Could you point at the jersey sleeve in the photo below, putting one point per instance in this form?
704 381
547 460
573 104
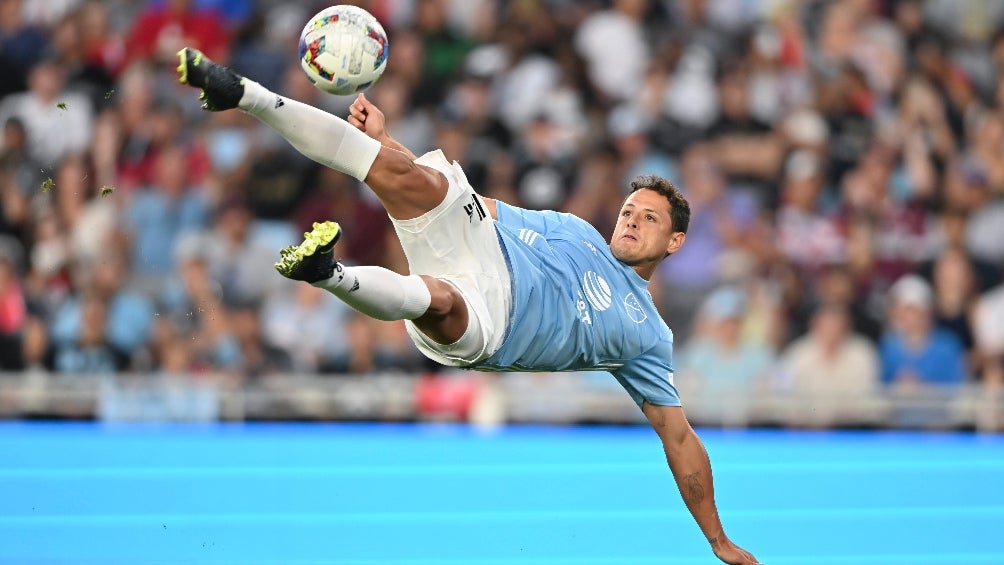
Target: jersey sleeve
649 378
544 222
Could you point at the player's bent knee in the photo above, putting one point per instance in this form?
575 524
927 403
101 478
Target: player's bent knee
395 172
446 299
446 319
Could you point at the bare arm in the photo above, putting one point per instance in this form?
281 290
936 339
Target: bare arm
370 120
688 460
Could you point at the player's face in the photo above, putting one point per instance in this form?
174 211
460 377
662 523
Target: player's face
644 232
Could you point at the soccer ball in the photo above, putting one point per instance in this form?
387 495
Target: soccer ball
343 49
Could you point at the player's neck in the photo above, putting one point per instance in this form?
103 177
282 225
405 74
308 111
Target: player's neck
645 270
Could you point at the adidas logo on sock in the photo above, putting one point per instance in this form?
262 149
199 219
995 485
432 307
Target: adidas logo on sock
278 102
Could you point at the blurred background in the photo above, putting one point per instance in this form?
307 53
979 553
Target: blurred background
844 161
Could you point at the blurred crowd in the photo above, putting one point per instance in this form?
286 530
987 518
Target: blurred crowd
844 161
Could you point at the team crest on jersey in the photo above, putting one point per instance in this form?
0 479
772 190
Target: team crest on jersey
634 309
597 291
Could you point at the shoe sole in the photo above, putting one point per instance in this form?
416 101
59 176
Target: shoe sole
323 235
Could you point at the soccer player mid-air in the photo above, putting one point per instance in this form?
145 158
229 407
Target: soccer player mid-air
496 287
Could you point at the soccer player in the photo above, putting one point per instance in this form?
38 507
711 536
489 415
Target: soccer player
495 287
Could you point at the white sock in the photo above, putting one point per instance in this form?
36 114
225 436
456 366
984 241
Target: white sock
379 293
325 138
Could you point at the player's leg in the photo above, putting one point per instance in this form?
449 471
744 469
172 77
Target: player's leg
436 307
406 190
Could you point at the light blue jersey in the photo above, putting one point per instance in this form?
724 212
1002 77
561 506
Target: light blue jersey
576 307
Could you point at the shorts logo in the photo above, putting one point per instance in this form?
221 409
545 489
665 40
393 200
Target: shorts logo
634 309
474 208
528 236
597 291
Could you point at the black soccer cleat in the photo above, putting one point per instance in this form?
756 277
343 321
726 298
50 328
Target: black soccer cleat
314 259
222 88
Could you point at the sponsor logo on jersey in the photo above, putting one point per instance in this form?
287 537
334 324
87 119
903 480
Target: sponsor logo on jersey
597 291
580 305
634 309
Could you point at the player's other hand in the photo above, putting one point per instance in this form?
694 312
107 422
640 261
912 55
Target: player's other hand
732 553
367 117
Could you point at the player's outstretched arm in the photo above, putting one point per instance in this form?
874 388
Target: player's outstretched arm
370 120
691 467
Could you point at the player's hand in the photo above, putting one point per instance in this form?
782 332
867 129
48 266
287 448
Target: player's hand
367 118
732 553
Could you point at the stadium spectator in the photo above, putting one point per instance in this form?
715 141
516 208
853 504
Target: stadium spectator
807 234
750 151
259 359
719 367
192 306
129 313
915 353
89 351
869 135
22 45
13 308
830 369
721 220
989 334
615 72
316 333
58 122
164 27
82 75
237 260
954 297
158 214
20 178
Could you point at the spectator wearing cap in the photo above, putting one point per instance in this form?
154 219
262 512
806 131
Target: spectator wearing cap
720 366
914 352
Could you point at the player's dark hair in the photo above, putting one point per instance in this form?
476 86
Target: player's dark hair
679 208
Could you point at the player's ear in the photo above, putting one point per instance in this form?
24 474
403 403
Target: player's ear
676 240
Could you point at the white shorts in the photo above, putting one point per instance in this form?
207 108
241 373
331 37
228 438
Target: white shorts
456 242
